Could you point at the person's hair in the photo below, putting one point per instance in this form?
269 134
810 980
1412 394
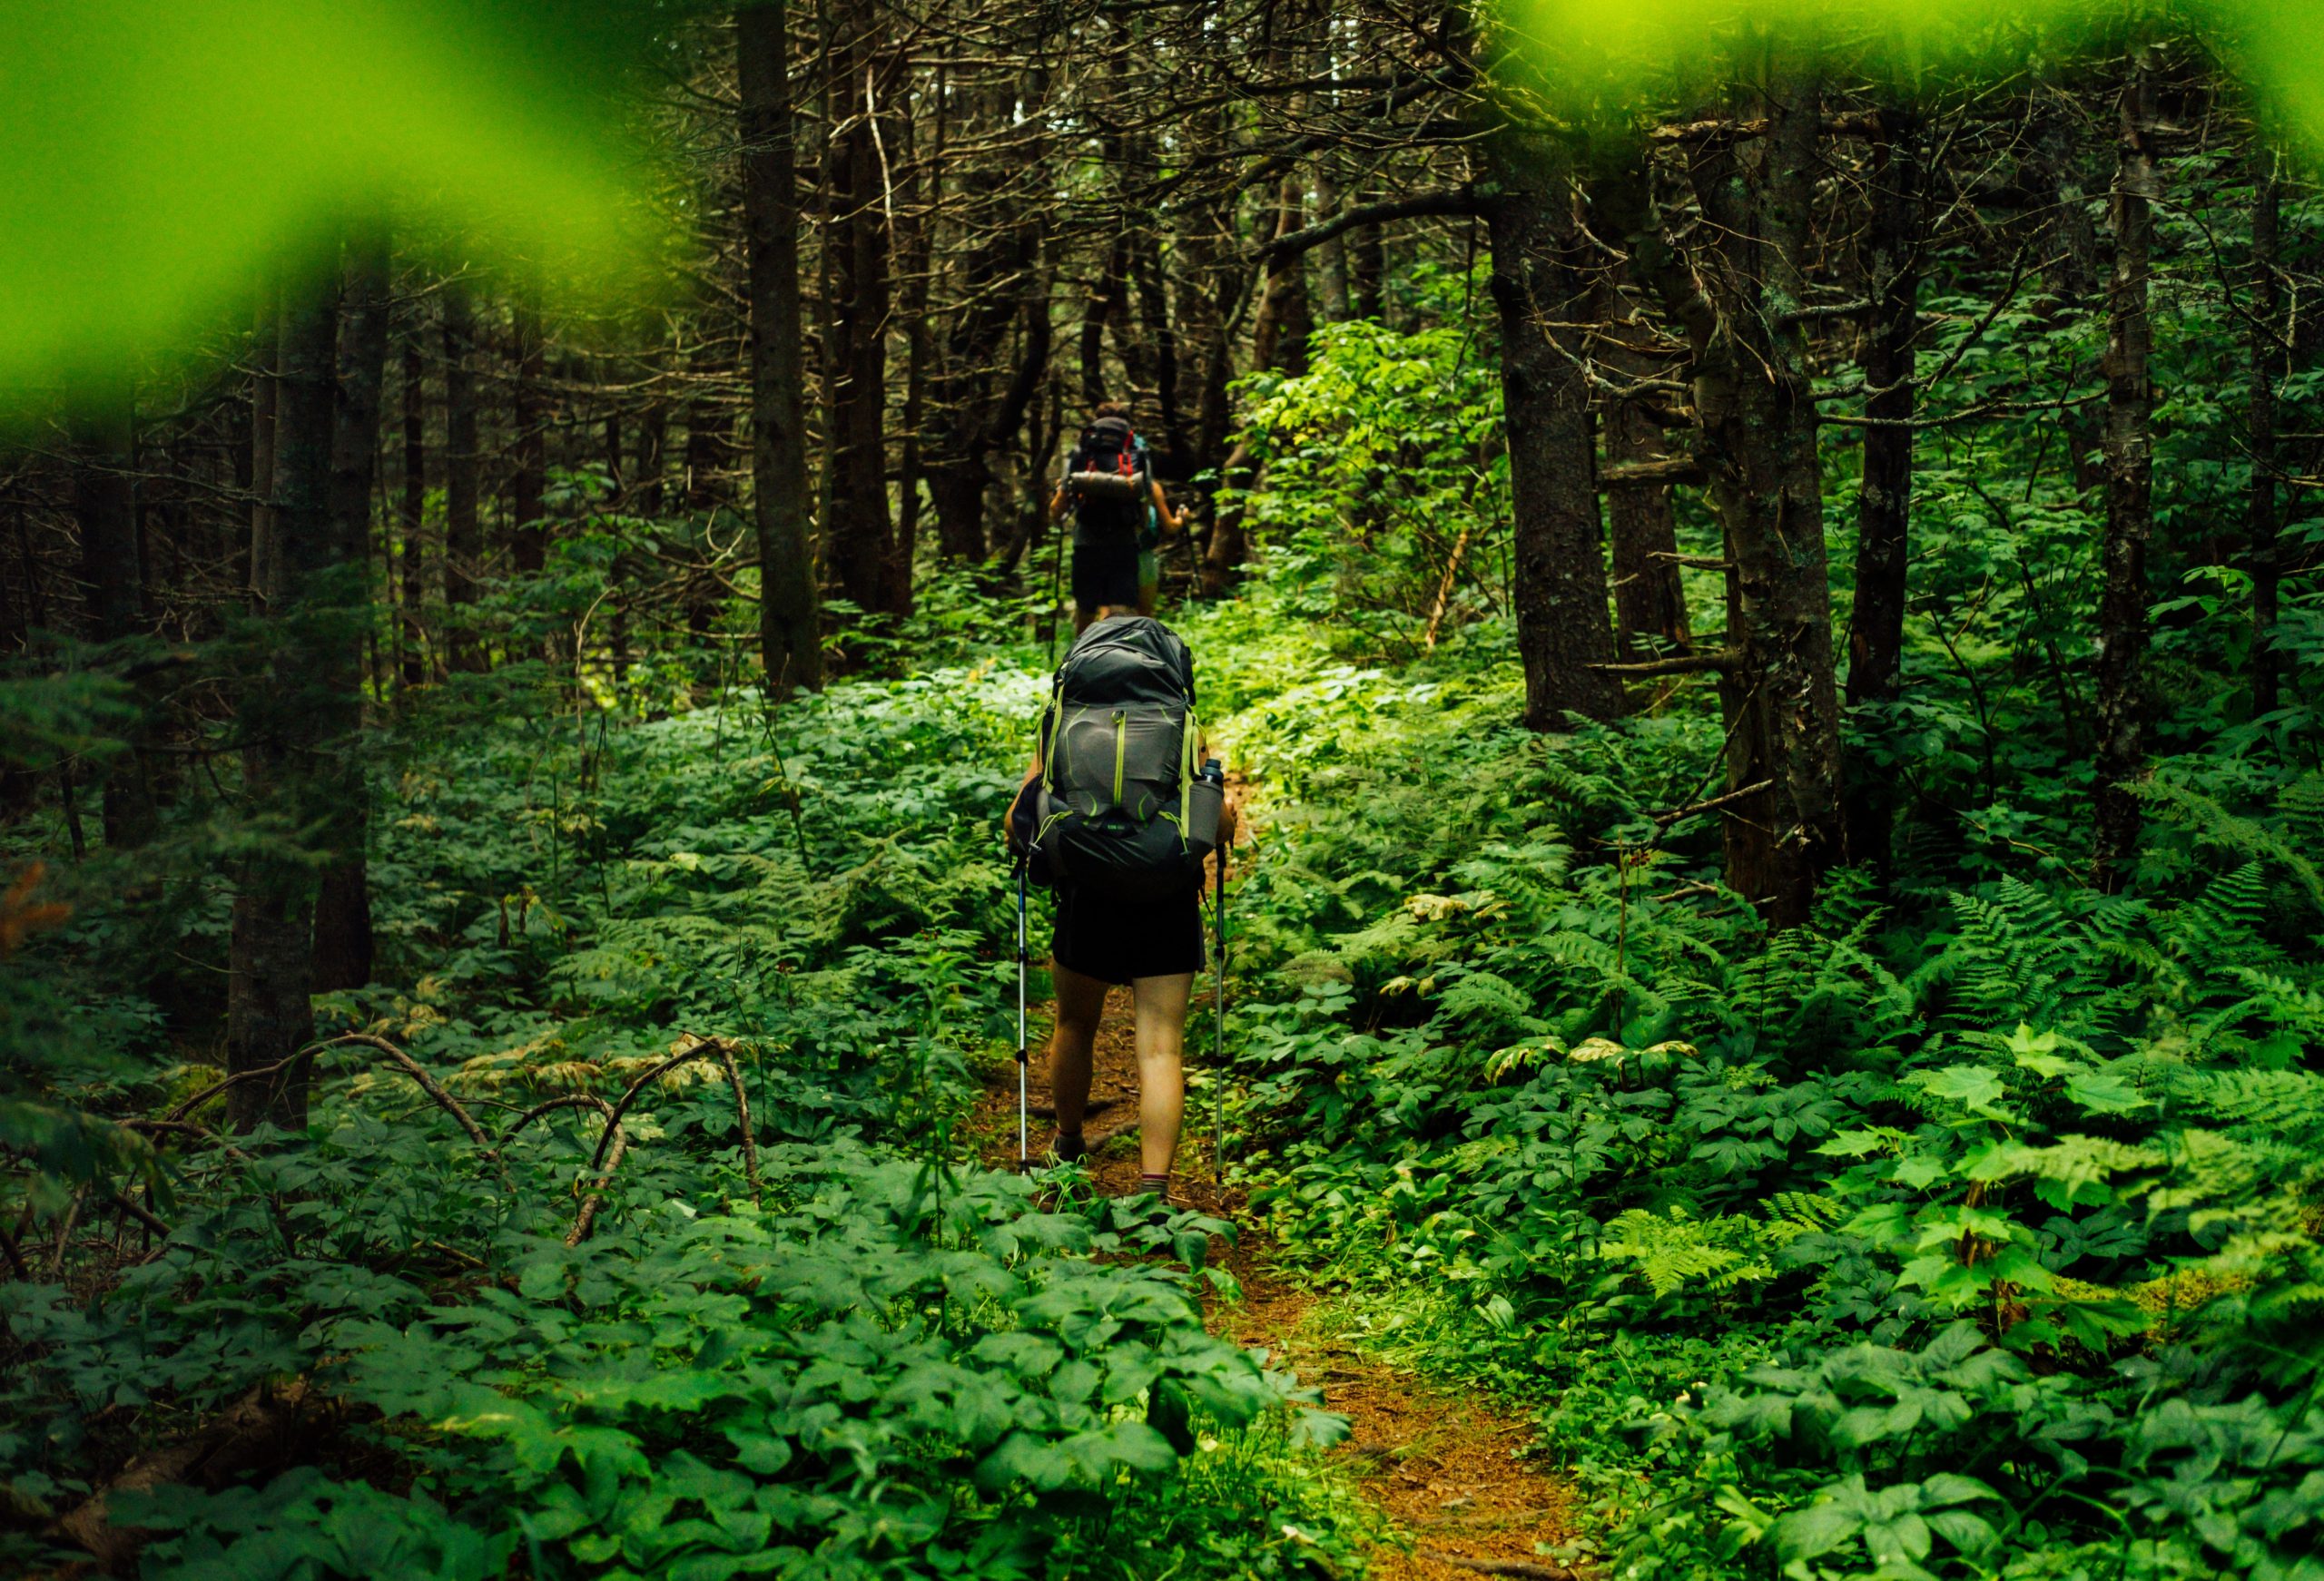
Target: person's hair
1110 409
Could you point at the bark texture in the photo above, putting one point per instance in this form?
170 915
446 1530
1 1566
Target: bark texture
1649 597
463 528
343 940
1884 498
104 509
1564 637
412 514
2270 365
858 534
790 609
1757 443
287 720
2128 451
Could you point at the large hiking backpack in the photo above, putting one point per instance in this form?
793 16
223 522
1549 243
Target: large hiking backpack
1115 812
1112 464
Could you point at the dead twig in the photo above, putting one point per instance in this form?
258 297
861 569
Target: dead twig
1525 1569
1745 795
618 1139
743 1112
402 1061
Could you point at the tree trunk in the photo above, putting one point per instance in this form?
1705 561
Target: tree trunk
463 529
1885 495
265 393
1331 256
1105 292
2128 447
1650 598
921 183
2072 246
1156 331
999 283
288 719
710 447
104 509
1563 634
528 481
1367 271
1757 442
1278 331
2271 364
858 532
653 445
343 943
790 610
414 512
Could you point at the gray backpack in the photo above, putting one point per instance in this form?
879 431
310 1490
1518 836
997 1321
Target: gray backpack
1121 810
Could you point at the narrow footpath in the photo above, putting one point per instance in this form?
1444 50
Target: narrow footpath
1442 1466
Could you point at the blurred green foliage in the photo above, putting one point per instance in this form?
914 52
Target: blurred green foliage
165 157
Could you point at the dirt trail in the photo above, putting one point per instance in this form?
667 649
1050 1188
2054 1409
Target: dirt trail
1441 1465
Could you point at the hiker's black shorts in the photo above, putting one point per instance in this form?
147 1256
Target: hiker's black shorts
1118 943
1106 573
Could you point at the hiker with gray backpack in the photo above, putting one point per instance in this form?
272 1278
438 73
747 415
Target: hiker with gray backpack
1119 814
1119 514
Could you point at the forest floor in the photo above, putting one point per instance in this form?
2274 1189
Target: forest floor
1441 1468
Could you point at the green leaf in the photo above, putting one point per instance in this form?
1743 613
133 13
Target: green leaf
1802 1534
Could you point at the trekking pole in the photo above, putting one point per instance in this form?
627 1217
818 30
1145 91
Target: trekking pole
1218 1034
1024 1152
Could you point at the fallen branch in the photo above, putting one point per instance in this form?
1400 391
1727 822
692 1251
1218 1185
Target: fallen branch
1645 474
404 1062
1720 659
65 1230
1854 123
743 1110
143 1217
1444 586
563 1101
1525 1569
188 1128
614 1145
1745 795
411 1067
618 1139
231 1442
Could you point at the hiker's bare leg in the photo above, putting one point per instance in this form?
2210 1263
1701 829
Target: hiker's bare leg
1080 1003
1161 1086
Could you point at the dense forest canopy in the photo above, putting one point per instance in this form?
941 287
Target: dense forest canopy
1757 569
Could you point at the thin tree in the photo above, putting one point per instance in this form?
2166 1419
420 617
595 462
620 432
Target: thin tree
2270 365
463 528
343 940
412 557
790 610
1564 637
289 717
1892 248
104 511
2128 447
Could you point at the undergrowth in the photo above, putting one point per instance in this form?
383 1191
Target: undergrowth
833 1346
1974 1238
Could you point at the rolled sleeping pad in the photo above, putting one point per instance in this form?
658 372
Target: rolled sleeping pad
1105 484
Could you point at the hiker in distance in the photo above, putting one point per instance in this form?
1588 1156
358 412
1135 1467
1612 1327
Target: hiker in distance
1115 815
1117 500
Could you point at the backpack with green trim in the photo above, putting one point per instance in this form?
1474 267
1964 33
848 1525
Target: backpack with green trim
1114 813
